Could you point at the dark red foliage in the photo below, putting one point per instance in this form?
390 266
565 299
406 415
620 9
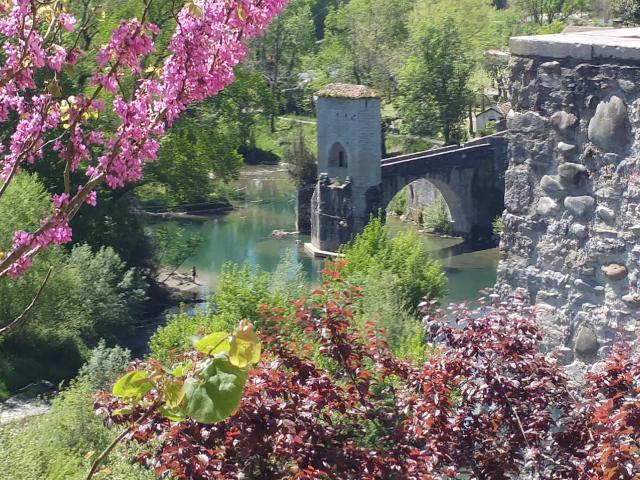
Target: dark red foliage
330 401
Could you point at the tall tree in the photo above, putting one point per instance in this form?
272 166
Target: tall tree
627 10
362 43
548 11
434 82
202 148
279 53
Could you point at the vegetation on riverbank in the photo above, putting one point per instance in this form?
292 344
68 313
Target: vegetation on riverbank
328 374
242 293
360 376
93 294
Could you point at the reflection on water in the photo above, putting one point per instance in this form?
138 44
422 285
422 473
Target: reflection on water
244 235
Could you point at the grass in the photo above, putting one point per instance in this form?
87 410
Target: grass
275 142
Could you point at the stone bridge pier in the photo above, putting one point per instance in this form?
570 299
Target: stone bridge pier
572 223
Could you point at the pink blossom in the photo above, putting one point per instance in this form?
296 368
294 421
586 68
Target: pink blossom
19 266
206 45
57 57
60 200
21 238
67 21
92 199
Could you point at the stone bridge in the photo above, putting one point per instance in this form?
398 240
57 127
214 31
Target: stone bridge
354 183
470 178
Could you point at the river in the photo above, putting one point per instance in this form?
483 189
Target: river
244 235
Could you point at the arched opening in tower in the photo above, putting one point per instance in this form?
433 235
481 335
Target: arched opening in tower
338 156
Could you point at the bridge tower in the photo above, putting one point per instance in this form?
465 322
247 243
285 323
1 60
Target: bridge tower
349 154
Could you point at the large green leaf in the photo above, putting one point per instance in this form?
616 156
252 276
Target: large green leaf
216 393
133 385
175 414
245 346
213 343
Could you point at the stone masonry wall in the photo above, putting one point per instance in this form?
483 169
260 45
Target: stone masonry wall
331 214
572 219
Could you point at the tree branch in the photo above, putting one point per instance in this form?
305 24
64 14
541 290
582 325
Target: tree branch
25 314
98 461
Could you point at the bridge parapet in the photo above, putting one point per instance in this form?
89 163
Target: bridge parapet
487 140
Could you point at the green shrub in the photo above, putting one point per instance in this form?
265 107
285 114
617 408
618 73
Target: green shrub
4 391
497 225
412 270
104 365
398 203
91 295
387 307
176 335
241 291
436 217
60 445
239 295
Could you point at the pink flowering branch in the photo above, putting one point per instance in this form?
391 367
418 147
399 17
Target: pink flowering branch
209 40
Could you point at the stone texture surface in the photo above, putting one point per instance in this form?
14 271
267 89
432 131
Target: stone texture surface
609 128
580 206
614 272
571 237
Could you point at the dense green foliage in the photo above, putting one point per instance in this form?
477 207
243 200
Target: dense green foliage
61 444
548 11
627 10
436 217
91 295
203 149
434 83
239 294
402 260
301 162
279 53
398 203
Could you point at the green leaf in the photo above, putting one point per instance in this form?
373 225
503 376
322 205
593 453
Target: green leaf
245 346
214 343
175 414
123 411
241 13
133 385
216 394
195 10
182 369
174 393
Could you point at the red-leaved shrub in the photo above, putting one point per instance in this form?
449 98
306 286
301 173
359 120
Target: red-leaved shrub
330 401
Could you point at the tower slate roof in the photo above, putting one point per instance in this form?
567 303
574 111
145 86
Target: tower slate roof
347 90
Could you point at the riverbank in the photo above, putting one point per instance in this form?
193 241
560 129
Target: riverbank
180 287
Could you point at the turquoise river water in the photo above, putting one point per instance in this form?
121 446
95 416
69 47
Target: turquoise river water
244 235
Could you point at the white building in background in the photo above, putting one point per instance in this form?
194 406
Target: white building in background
488 117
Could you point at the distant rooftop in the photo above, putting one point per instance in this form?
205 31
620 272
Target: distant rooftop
582 44
347 90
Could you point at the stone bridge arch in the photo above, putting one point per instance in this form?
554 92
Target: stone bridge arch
460 218
469 177
355 183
